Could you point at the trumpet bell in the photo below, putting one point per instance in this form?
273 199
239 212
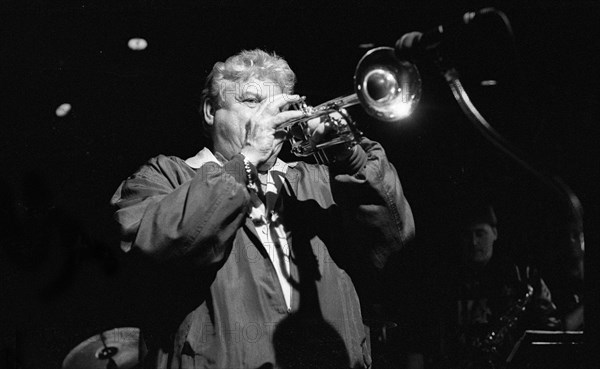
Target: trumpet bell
387 88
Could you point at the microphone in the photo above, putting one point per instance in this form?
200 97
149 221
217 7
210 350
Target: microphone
419 43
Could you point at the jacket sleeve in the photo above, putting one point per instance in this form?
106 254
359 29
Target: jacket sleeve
373 203
166 215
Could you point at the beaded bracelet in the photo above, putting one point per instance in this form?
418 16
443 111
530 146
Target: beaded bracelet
251 182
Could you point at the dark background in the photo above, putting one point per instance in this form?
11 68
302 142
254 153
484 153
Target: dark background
63 277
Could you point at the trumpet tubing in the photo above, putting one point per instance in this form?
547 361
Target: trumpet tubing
388 90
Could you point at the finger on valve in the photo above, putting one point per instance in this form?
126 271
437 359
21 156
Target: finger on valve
321 127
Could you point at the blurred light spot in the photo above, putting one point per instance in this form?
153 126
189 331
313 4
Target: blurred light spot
137 44
63 110
489 82
368 45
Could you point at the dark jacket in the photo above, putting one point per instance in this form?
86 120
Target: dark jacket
338 226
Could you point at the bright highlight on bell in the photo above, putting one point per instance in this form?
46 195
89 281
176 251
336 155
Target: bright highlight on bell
63 110
401 110
137 44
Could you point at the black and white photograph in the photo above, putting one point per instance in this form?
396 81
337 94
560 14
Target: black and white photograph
299 184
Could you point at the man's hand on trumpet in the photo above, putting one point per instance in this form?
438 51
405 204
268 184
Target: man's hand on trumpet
323 128
262 140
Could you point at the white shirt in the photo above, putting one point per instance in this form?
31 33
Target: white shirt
272 234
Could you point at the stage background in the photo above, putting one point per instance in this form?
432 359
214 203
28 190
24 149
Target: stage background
63 276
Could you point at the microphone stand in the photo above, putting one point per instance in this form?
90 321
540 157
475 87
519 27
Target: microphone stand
558 187
429 50
451 76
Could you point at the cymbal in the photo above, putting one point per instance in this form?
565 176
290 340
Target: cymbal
119 348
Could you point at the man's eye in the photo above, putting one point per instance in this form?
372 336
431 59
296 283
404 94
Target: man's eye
251 100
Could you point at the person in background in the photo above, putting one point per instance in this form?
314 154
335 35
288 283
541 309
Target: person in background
491 299
476 306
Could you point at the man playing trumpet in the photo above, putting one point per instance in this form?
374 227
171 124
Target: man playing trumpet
271 253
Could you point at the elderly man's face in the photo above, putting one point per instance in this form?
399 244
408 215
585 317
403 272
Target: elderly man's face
240 102
478 243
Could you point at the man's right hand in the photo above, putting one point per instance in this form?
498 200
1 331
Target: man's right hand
263 139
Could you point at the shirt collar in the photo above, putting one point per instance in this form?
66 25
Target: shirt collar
206 156
202 157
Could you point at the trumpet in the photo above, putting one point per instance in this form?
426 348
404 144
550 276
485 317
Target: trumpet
388 89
